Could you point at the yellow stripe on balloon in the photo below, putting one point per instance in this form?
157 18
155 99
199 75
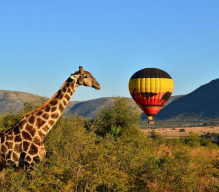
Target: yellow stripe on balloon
151 85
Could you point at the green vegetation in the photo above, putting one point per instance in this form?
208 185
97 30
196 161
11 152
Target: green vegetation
181 121
112 154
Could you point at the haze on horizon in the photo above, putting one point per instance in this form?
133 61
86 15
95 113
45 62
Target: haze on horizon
43 42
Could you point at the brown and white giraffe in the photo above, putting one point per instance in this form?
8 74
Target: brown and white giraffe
22 145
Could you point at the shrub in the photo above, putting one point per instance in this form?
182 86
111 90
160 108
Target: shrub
182 130
78 159
120 116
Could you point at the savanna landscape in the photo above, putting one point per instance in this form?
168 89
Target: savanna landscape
111 153
145 116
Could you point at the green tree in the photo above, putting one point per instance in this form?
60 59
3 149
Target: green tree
119 117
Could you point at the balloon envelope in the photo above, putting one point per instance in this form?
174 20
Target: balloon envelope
151 88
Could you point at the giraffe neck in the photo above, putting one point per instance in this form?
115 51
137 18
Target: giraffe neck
46 116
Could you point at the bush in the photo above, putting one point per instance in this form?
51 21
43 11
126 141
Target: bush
182 130
78 159
119 117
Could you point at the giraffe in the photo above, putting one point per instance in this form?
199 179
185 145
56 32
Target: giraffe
22 145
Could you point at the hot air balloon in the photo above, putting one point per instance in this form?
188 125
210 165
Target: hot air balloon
151 88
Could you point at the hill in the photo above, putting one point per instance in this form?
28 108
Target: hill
201 102
14 100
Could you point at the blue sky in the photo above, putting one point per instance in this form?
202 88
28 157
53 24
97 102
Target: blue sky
43 42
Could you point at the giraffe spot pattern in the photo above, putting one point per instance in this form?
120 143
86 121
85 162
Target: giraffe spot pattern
40 123
64 102
3 149
18 138
55 115
41 134
22 123
58 94
61 108
18 147
69 90
51 122
31 120
9 132
9 137
26 136
72 85
61 96
39 113
26 145
33 149
67 97
47 109
28 158
54 102
30 129
15 157
9 145
8 154
18 133
32 165
2 139
37 141
53 109
46 128
16 130
10 162
27 115
45 116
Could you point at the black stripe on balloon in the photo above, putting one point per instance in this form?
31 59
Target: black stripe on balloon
151 73
150 105
150 114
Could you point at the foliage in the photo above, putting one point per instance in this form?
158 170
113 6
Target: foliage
118 117
78 159
182 130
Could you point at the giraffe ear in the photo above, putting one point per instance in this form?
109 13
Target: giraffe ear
81 69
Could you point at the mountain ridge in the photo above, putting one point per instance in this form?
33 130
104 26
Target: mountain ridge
14 100
203 101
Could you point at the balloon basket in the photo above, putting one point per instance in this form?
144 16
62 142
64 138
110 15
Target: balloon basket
151 122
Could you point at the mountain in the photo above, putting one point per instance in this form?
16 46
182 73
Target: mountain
204 101
89 109
173 98
14 100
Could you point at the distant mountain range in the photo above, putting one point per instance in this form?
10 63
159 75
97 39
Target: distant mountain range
204 101
14 100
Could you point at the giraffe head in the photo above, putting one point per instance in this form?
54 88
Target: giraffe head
85 78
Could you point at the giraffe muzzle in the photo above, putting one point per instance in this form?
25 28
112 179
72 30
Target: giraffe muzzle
96 86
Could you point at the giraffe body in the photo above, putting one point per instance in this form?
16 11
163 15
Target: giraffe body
22 145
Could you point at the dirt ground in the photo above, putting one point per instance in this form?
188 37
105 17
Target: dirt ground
170 133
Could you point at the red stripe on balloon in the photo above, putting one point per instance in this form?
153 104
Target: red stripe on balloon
150 101
151 110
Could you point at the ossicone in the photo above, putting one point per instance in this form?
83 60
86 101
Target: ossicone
81 69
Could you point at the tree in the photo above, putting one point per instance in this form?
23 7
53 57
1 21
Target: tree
119 117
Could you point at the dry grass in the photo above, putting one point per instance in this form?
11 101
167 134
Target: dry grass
169 133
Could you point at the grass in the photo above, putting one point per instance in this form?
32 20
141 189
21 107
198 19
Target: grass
171 133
